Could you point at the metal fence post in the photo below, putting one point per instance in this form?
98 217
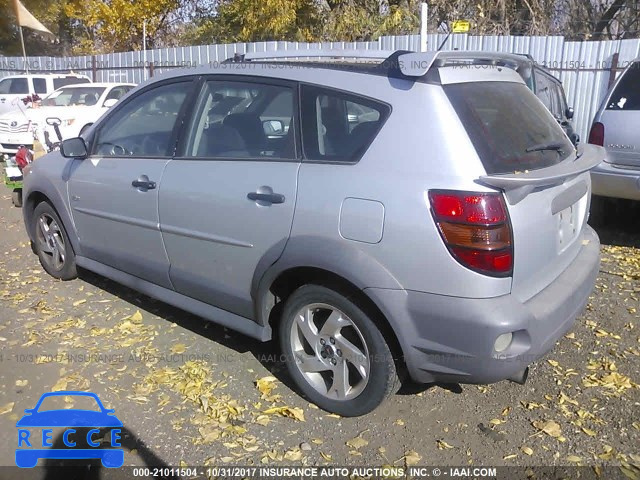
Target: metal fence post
612 69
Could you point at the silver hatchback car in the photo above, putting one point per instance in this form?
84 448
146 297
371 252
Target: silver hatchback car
418 216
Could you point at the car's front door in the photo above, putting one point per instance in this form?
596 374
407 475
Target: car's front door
114 192
227 201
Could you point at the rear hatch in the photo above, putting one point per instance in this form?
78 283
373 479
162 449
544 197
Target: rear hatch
547 186
621 119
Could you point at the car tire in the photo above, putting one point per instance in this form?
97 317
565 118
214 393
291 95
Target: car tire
342 362
600 209
52 243
16 198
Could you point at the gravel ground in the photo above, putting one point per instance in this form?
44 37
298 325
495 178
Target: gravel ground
192 393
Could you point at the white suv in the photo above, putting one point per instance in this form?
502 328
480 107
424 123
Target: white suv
15 88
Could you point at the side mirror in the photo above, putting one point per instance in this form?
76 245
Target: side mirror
273 127
569 113
110 102
74 148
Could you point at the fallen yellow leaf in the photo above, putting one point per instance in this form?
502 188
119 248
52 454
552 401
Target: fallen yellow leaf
7 408
527 450
412 458
357 443
442 445
265 385
291 412
550 427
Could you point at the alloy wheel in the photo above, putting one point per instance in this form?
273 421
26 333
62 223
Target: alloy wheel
330 351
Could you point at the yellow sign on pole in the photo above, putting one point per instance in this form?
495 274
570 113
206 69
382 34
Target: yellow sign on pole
460 26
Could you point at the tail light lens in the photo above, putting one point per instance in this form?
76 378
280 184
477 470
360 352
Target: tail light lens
596 135
475 228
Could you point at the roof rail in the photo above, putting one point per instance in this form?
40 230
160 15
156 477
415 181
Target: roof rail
312 53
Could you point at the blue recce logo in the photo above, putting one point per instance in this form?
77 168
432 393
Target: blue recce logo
32 447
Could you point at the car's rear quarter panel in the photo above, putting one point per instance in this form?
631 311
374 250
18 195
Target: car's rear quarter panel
422 146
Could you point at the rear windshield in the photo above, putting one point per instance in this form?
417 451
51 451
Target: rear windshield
17 85
503 121
626 96
70 80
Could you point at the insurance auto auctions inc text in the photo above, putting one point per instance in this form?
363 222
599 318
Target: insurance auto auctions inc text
350 472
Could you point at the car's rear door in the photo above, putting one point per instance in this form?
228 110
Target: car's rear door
515 135
227 200
621 119
114 192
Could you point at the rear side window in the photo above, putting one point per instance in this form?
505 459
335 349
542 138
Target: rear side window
338 126
241 120
549 92
626 96
14 85
39 85
63 81
509 128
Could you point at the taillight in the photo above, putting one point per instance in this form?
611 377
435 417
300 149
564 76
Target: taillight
596 135
475 227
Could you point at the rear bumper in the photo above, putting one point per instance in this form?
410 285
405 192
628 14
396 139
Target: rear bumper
608 180
451 339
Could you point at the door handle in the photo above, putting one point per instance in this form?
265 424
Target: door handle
266 197
143 183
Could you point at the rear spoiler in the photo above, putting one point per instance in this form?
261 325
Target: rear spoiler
410 64
518 185
418 64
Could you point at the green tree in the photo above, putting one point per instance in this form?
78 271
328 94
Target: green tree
364 20
257 20
49 13
103 26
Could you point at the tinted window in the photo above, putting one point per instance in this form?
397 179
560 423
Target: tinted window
144 125
14 85
63 81
235 119
503 120
546 92
39 85
626 96
117 92
337 126
66 97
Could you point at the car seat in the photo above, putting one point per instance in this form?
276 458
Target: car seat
221 141
249 126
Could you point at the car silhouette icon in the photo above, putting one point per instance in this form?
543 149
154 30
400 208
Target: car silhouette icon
70 419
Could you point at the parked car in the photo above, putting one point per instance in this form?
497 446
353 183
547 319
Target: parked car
616 126
540 80
15 88
76 106
438 229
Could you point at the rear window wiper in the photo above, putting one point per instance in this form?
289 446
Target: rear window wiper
557 146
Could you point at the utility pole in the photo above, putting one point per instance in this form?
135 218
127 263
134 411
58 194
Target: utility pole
424 16
144 49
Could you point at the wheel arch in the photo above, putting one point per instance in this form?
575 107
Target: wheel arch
37 196
329 263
